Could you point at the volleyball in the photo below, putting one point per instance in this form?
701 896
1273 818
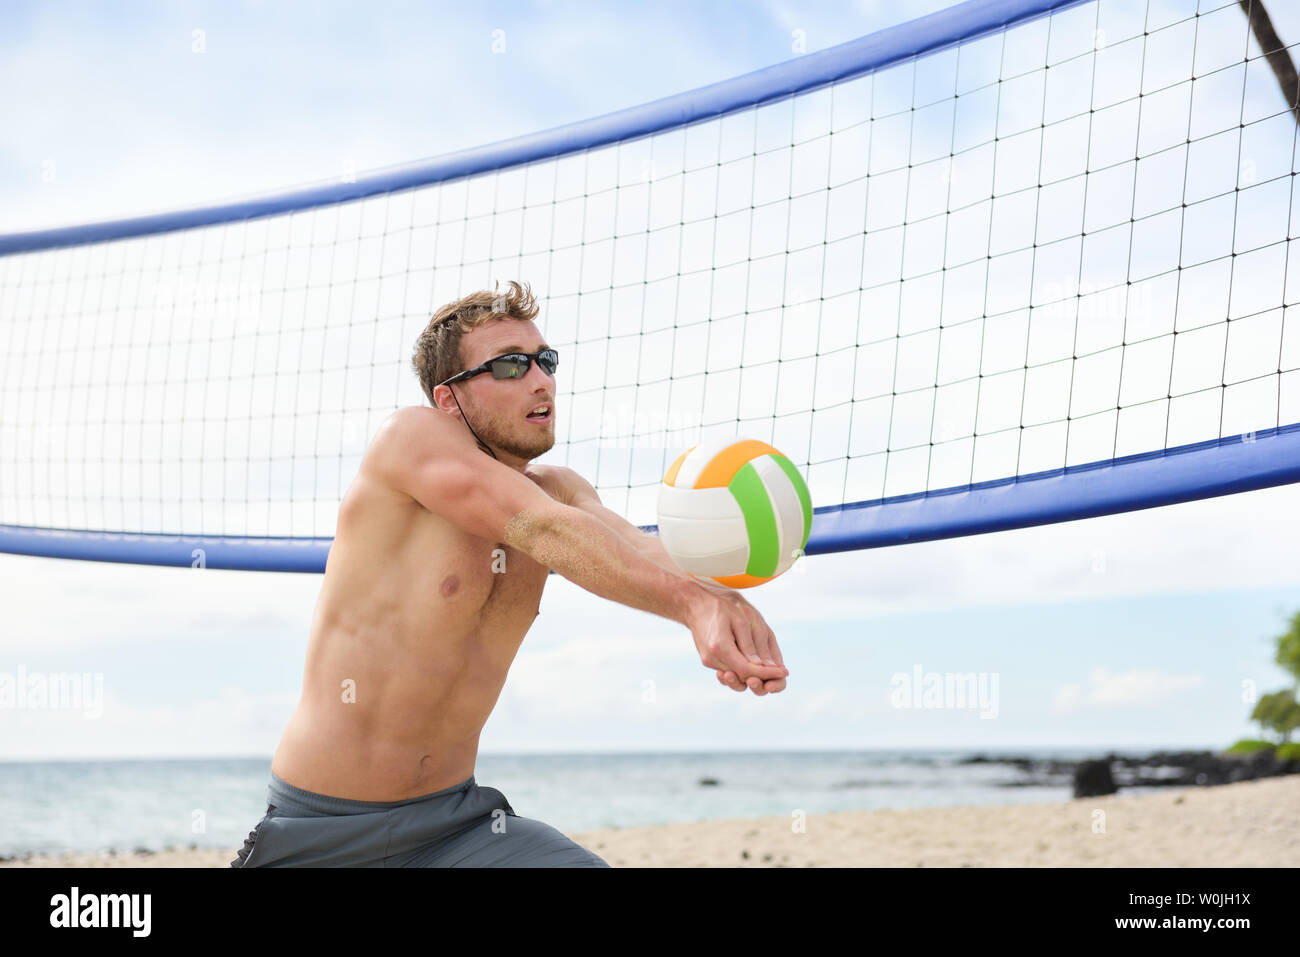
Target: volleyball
734 510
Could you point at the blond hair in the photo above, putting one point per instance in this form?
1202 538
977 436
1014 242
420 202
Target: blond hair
437 351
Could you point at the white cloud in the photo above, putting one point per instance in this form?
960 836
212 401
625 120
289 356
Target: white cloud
228 721
54 604
822 702
1104 688
611 677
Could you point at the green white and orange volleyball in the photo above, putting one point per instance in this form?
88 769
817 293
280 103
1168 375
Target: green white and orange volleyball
735 510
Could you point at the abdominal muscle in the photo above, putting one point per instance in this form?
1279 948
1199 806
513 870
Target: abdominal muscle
411 641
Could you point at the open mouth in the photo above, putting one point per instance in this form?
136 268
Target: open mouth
542 413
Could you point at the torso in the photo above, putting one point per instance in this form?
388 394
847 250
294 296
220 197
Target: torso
413 634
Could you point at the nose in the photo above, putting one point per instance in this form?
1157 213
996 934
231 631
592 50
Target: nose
543 378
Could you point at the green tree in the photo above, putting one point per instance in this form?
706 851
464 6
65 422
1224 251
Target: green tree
1278 712
1288 648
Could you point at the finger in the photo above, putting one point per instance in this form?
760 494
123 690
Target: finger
730 679
731 657
766 644
774 685
744 634
774 651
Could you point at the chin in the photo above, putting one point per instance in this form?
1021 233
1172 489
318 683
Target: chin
529 451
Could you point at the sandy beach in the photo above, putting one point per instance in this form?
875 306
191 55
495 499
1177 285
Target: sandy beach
1248 824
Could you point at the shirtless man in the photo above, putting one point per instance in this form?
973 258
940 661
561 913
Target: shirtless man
443 545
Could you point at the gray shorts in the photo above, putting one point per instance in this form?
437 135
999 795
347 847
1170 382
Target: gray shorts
460 826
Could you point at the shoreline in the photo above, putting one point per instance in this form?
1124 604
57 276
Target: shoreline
1243 824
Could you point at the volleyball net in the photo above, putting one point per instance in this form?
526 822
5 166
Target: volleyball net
1016 262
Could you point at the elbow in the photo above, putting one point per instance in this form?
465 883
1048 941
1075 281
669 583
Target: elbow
527 530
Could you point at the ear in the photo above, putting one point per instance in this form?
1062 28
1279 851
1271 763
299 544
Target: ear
446 401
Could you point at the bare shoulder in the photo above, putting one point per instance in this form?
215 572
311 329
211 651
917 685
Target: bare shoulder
411 418
407 438
414 430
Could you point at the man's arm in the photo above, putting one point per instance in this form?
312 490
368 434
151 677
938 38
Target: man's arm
582 495
423 453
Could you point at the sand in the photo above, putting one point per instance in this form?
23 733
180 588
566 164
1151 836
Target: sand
1248 824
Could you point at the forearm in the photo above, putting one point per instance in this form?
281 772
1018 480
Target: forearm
652 547
586 551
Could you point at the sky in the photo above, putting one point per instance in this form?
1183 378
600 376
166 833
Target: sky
1140 630
133 119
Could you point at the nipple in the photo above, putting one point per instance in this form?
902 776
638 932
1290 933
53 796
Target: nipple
449 586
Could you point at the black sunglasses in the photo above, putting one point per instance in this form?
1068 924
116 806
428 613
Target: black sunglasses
512 366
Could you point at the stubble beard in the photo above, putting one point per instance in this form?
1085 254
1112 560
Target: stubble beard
510 437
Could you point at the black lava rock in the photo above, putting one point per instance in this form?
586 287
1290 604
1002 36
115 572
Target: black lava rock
1092 779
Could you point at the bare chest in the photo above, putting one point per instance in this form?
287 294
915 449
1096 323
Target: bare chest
489 581
402 571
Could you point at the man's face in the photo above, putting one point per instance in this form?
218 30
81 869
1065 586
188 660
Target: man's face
498 408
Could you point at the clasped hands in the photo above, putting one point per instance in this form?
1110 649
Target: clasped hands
734 640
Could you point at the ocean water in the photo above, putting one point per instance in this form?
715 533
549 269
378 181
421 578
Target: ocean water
51 807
